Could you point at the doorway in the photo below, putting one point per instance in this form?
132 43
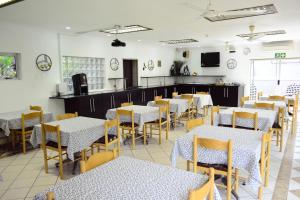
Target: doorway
130 73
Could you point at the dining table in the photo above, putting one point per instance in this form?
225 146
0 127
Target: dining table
142 114
77 133
287 98
12 120
246 149
266 118
129 178
200 100
177 106
278 104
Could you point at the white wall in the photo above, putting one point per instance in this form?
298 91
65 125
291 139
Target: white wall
101 47
35 87
241 73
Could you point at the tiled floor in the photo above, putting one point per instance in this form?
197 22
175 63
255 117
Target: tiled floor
22 176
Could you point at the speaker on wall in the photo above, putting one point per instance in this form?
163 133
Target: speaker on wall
186 54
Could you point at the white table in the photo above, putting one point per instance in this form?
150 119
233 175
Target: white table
127 179
287 98
201 100
266 118
246 149
177 106
142 114
76 133
12 120
278 104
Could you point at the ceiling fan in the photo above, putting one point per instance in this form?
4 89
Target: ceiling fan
209 11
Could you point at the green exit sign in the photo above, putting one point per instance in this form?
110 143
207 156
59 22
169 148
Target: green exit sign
280 55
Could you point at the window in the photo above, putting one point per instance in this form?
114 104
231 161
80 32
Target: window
94 68
8 66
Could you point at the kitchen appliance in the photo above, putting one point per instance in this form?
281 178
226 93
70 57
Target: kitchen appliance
80 84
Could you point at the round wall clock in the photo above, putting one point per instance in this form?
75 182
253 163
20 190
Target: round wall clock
43 62
114 64
231 63
150 65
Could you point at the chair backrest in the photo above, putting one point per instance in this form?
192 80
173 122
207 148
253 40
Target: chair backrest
174 94
245 115
281 115
108 124
126 104
214 109
259 94
50 196
277 98
37 108
50 129
202 93
206 191
97 159
129 113
192 123
214 145
38 115
243 99
188 97
66 116
157 98
268 106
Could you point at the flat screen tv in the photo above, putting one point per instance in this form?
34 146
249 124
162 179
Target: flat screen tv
210 59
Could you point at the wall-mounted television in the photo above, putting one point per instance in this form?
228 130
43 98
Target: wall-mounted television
210 59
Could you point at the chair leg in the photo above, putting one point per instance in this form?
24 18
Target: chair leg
281 139
277 138
61 167
24 143
13 140
236 181
133 138
260 192
45 160
92 149
145 135
119 147
159 132
267 174
167 130
188 165
151 131
229 188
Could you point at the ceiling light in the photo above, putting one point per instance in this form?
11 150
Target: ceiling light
4 3
126 29
139 40
182 41
277 32
68 28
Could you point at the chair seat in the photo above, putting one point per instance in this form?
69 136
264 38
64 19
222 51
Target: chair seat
128 124
54 145
157 121
219 167
276 125
110 138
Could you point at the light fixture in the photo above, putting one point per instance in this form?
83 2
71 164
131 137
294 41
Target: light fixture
125 29
4 3
182 41
139 40
68 28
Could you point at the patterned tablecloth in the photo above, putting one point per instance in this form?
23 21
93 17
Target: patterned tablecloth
278 104
246 149
142 114
128 178
200 100
12 120
266 118
266 98
76 133
176 105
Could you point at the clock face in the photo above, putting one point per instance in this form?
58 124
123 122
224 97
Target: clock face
231 63
150 65
114 64
43 62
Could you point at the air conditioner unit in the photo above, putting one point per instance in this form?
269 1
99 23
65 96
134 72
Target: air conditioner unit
278 45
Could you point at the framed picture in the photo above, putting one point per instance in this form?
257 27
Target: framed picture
159 63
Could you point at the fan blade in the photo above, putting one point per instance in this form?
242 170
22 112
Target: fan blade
239 13
193 6
84 32
256 37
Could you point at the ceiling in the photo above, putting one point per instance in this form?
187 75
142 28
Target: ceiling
169 18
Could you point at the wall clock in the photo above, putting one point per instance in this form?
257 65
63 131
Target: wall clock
150 65
231 63
43 62
114 64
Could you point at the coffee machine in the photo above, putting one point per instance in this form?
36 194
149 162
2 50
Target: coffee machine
80 84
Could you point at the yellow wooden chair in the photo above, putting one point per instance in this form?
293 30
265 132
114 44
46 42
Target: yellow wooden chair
36 108
277 98
206 191
267 106
278 128
128 126
164 120
66 116
50 196
243 99
109 139
171 115
245 115
202 93
192 123
157 98
214 109
24 132
126 104
174 94
293 103
259 95
53 146
220 169
189 113
97 159
205 107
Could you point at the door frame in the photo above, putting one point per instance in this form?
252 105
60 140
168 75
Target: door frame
137 67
